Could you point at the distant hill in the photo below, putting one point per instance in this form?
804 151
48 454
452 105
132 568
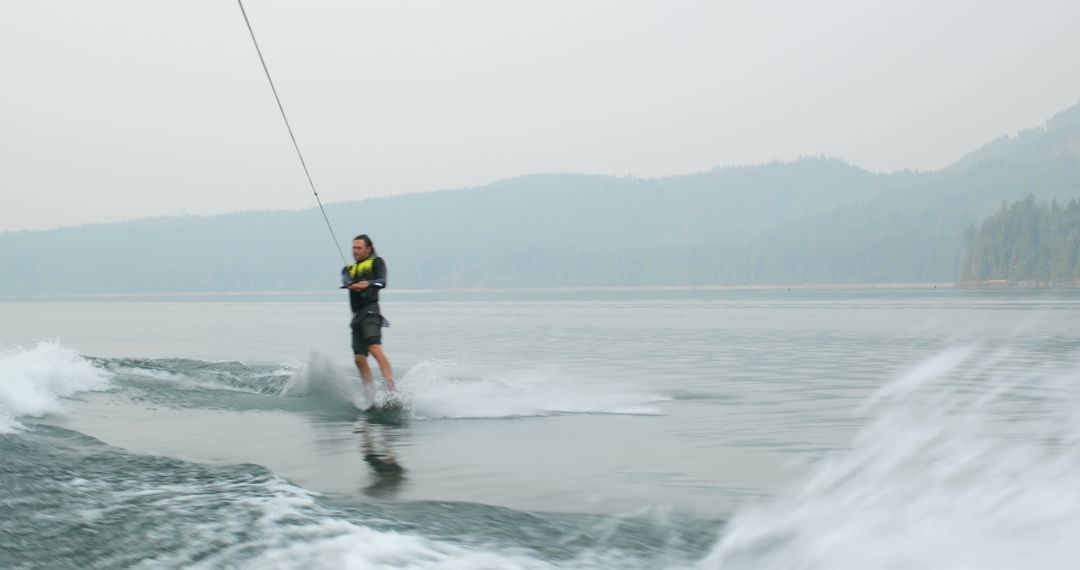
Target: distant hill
814 220
916 232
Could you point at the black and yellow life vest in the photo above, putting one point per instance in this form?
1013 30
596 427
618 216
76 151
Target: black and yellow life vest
361 269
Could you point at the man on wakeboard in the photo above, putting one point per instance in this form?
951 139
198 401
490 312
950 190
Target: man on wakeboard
364 279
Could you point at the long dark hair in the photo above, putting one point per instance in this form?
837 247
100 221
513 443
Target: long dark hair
367 242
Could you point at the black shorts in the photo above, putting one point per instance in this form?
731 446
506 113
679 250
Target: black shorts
366 330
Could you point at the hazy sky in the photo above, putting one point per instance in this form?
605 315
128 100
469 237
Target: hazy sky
115 110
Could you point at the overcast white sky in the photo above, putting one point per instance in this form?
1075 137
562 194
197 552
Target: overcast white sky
113 110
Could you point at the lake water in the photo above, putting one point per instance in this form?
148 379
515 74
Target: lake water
839 429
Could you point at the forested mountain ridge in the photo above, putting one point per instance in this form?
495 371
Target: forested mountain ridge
1026 242
542 229
917 233
814 220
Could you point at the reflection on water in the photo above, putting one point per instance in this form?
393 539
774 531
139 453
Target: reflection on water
377 445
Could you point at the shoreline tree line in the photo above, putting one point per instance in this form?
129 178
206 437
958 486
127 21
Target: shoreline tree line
1026 242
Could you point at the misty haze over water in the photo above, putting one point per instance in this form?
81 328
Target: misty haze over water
709 286
810 221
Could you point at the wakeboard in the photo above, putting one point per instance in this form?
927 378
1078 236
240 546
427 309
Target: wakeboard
386 411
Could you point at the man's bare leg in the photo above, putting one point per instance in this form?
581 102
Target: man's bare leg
366 377
384 366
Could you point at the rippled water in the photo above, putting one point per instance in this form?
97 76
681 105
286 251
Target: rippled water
698 429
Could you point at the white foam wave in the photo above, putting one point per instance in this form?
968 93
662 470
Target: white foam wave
970 461
199 376
455 389
290 530
296 533
357 547
34 381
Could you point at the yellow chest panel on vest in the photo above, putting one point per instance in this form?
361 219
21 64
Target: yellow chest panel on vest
362 268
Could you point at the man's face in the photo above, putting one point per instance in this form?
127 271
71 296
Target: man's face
360 250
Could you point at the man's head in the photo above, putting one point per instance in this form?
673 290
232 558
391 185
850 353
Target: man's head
362 248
